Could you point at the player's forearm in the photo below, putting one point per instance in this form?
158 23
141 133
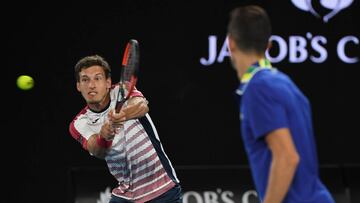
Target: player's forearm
281 174
96 147
137 107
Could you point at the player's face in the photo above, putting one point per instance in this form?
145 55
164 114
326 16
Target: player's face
93 85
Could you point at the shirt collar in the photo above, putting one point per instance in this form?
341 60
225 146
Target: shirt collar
262 63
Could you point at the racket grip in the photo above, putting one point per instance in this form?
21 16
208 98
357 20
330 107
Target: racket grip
119 105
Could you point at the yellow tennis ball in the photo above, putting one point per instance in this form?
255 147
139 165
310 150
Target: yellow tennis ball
25 82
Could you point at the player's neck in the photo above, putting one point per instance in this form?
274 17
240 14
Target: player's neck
249 60
102 105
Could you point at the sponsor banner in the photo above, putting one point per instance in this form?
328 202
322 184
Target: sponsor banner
207 184
323 40
199 185
292 49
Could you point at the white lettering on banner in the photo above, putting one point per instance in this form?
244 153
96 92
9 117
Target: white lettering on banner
212 51
247 194
224 52
297 49
319 49
217 196
226 196
210 197
282 49
189 194
341 49
104 197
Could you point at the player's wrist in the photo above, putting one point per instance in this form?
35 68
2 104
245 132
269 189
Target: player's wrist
102 142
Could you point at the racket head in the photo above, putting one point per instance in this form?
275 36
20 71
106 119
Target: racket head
129 72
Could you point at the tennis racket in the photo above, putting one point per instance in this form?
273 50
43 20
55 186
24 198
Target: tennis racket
129 73
127 82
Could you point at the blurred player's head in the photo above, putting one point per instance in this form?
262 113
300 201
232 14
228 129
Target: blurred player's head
249 30
93 75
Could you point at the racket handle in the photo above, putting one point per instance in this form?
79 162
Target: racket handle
119 105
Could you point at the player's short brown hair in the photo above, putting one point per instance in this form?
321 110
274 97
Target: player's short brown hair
94 60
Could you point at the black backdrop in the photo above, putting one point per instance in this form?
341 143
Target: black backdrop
197 124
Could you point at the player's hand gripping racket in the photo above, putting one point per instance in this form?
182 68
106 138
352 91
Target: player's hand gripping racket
129 73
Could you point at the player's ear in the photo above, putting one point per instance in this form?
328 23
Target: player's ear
108 82
231 44
78 86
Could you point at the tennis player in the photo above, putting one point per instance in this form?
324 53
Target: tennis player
128 141
275 115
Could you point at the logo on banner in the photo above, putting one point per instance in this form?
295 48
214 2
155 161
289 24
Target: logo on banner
294 49
220 196
105 196
335 6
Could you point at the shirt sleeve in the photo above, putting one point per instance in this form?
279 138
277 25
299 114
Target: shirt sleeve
80 131
136 93
265 108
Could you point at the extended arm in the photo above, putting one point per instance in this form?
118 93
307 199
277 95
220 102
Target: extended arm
285 160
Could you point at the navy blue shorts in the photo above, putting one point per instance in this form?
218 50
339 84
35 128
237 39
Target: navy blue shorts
174 195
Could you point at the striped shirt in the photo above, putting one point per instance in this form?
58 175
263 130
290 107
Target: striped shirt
136 158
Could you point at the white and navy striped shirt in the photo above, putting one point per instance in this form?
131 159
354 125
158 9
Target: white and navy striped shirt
136 158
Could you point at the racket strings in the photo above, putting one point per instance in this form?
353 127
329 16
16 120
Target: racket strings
128 72
129 67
